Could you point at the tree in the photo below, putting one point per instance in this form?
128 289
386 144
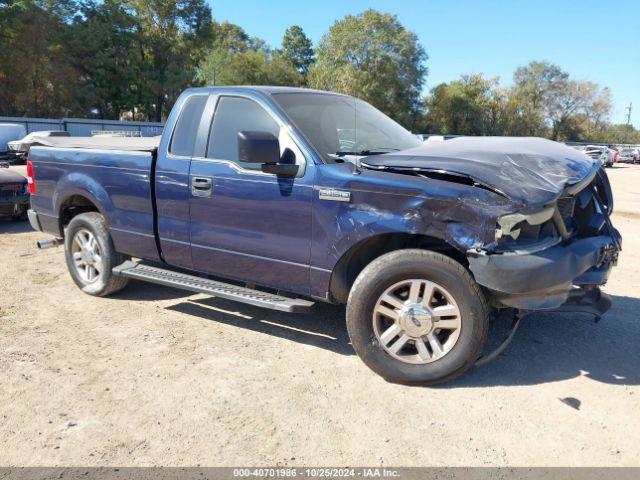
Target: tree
66 57
102 48
470 106
598 110
251 67
373 57
619 133
297 49
238 59
36 77
537 87
171 36
106 57
578 100
231 37
546 101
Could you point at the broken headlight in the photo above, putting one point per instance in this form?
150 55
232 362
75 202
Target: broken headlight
525 226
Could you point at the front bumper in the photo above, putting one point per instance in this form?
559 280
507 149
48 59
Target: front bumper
13 205
544 280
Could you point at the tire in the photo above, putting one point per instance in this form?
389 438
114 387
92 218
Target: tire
446 277
102 282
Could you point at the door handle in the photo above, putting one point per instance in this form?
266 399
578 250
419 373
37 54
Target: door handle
201 186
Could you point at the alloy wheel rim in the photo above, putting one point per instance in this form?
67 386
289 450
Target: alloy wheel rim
417 321
86 254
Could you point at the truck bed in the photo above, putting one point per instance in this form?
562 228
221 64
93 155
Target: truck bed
114 173
141 144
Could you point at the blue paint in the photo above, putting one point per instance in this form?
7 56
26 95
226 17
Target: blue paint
256 227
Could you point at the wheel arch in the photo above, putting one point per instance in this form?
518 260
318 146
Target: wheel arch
78 193
356 258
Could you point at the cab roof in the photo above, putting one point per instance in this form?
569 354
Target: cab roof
265 89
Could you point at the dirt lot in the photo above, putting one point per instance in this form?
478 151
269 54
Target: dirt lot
154 376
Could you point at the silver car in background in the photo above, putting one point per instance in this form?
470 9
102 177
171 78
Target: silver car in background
628 155
9 132
20 147
598 152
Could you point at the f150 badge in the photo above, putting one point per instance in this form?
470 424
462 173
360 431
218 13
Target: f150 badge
336 195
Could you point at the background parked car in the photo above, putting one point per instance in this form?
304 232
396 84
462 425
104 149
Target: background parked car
628 155
14 194
20 148
600 152
9 132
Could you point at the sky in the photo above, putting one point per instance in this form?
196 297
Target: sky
592 40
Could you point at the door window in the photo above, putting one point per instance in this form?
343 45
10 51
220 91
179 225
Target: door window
184 135
233 115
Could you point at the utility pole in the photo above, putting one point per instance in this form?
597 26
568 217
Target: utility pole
626 130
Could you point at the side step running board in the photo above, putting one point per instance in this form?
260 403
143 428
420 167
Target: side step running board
192 283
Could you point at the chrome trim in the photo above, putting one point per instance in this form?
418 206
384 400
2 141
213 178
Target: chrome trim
131 232
335 195
558 221
416 321
268 108
576 187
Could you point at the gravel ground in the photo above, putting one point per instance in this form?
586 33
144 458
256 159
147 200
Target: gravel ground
154 376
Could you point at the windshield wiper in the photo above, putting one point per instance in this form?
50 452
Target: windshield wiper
372 151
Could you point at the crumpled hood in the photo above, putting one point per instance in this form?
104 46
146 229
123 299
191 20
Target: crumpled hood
528 170
9 177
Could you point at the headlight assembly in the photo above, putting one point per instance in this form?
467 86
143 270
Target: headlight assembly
512 224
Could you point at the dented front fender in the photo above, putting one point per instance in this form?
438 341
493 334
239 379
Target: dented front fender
461 216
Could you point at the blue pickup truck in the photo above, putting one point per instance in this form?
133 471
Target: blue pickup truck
280 197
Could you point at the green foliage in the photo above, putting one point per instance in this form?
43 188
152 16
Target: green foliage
249 67
297 49
543 101
238 59
108 58
105 52
616 133
34 65
469 106
230 37
65 57
172 37
373 57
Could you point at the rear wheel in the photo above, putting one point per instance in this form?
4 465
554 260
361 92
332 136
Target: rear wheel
417 317
90 255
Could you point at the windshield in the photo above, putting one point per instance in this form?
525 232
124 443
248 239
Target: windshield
340 126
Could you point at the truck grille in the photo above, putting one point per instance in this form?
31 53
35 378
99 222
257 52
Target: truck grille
585 212
10 191
7 209
566 205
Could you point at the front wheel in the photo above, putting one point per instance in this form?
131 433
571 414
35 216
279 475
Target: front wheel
90 255
417 317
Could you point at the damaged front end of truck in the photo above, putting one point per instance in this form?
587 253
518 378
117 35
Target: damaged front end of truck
550 244
555 257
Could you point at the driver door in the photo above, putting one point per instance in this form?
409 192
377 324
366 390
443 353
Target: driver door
246 224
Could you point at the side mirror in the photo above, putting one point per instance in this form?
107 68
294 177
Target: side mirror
258 147
264 148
